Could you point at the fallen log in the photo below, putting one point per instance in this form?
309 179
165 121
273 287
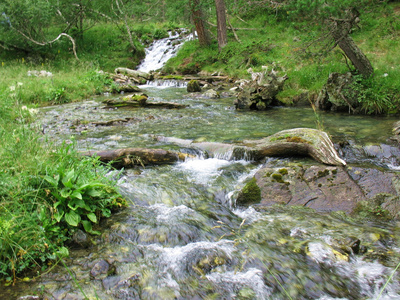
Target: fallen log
293 142
129 157
141 101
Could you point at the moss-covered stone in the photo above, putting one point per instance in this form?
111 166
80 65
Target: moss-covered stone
250 194
193 86
277 177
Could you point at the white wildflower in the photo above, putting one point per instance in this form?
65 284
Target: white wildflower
12 88
24 107
19 84
33 111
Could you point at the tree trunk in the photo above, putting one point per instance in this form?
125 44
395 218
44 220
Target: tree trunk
340 30
199 23
221 23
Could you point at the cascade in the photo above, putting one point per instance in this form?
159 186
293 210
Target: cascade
160 51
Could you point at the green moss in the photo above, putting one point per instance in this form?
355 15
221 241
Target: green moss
176 77
250 194
277 177
296 139
283 171
323 173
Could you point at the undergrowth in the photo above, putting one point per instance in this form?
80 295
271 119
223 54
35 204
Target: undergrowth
47 192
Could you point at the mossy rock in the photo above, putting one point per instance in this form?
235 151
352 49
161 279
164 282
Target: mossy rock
193 86
250 194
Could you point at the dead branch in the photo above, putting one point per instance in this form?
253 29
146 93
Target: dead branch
233 30
50 42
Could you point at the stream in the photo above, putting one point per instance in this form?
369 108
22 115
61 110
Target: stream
183 237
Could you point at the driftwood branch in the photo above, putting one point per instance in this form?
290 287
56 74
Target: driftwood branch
293 142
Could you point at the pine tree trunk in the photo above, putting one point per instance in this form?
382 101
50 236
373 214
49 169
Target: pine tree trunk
221 23
340 33
199 23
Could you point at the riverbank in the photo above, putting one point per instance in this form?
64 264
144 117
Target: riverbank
47 190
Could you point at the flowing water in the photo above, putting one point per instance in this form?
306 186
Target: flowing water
182 236
160 51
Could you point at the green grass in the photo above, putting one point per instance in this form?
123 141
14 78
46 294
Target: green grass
279 43
46 192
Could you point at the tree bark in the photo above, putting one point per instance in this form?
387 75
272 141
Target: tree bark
221 23
340 31
199 23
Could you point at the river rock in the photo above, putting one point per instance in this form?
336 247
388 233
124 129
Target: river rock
134 100
212 94
100 269
81 239
193 86
324 188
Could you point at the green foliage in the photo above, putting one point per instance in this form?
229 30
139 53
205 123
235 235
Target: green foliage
45 193
375 96
79 199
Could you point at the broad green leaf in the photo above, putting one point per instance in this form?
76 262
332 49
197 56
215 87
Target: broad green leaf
51 180
94 193
76 203
67 179
58 215
106 212
72 218
76 194
87 225
63 252
92 217
65 192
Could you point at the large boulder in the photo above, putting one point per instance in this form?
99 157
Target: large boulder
324 188
261 91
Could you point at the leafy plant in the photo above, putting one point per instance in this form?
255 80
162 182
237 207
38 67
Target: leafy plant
78 201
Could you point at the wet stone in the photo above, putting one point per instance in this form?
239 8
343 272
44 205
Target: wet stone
100 269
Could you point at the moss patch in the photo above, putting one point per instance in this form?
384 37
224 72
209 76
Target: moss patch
250 194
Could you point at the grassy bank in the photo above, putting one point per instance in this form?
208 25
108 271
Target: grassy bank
47 192
281 44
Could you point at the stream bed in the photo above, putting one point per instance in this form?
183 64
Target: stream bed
183 237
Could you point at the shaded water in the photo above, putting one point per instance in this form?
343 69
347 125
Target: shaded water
183 237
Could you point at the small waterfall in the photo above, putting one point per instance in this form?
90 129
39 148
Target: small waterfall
166 83
160 51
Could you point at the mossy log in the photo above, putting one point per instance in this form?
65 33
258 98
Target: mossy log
140 100
292 142
133 73
129 157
